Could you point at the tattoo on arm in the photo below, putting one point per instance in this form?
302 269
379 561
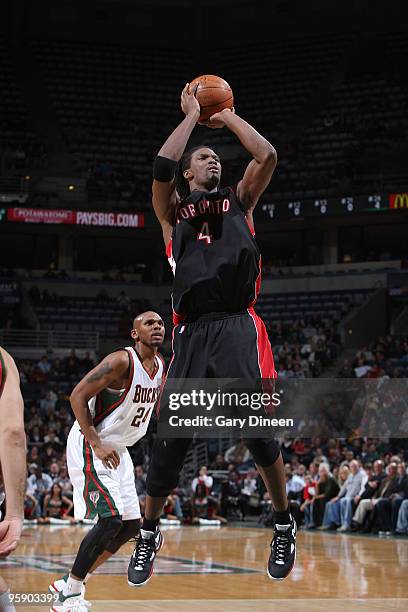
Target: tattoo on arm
104 369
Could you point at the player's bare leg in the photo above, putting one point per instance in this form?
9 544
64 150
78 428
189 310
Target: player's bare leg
283 549
58 585
275 483
12 453
154 508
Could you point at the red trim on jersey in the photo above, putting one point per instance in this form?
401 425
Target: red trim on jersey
162 360
251 227
87 472
108 501
166 373
178 318
263 346
257 284
151 376
109 410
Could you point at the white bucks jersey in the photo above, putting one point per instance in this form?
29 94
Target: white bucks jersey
122 417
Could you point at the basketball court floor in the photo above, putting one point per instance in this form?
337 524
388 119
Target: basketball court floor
210 569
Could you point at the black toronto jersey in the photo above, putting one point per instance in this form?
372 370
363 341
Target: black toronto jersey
214 256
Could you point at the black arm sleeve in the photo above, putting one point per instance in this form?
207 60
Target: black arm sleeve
164 169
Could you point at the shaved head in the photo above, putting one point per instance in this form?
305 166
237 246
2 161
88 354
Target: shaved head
148 329
140 318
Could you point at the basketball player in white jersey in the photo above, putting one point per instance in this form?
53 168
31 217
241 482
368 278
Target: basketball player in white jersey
113 405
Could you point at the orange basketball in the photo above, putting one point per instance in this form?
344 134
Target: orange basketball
213 94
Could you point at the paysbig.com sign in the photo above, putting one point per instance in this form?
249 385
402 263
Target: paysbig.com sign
102 219
75 217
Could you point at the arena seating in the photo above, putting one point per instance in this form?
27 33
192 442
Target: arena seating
108 102
286 73
354 144
286 308
114 116
105 315
112 112
17 141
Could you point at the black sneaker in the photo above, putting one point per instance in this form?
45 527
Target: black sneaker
140 568
283 552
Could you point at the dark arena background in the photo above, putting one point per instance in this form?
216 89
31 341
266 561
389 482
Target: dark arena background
89 91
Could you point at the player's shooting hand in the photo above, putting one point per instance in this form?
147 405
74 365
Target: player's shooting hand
189 103
10 533
107 455
217 120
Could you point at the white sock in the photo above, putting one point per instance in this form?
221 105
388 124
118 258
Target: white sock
87 577
146 534
282 527
72 587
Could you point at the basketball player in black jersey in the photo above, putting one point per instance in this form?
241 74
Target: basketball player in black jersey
209 236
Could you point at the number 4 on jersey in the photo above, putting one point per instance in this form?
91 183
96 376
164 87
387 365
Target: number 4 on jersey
204 233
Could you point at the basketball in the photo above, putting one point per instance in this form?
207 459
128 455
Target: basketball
213 94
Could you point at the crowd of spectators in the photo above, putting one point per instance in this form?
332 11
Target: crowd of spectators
347 486
359 484
344 485
46 384
54 371
302 348
356 483
387 357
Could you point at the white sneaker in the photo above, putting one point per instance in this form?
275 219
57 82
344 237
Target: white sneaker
58 586
72 603
342 529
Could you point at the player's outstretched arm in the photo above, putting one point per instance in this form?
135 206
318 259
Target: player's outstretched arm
164 181
259 171
111 368
12 456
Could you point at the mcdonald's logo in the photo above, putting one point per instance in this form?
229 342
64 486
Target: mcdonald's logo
398 200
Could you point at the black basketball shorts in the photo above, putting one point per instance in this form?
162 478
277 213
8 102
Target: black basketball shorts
222 346
216 345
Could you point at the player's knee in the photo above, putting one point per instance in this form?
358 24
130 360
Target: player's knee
264 451
94 543
162 478
111 523
106 530
128 531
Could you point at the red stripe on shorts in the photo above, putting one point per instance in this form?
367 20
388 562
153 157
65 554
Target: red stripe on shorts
265 358
108 501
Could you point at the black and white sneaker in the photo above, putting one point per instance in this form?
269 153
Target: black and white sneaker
140 568
283 551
